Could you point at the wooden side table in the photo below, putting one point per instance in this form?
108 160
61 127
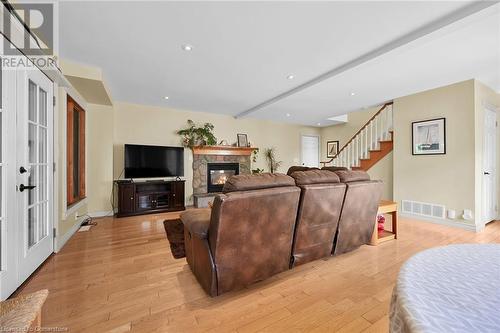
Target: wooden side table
386 207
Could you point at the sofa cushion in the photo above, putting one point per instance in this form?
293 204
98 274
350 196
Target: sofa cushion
294 168
256 182
334 168
315 177
197 221
348 176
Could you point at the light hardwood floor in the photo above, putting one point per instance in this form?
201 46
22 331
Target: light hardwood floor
121 277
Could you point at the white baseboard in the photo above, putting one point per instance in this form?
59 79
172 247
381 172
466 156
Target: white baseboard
61 240
451 223
101 214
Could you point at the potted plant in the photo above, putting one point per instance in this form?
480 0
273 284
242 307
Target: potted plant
197 135
270 154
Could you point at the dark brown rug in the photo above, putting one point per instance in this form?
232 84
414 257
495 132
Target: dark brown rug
175 235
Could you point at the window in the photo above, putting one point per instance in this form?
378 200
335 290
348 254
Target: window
75 152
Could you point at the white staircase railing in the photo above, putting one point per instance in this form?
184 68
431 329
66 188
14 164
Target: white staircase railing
377 129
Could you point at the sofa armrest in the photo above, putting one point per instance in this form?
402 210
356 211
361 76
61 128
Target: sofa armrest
197 221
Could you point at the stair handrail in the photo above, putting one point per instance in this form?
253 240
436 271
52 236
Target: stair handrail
357 133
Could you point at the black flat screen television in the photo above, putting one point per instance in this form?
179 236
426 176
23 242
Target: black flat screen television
153 161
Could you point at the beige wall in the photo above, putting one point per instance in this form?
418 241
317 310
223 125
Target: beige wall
100 152
383 171
439 179
344 132
454 179
420 178
157 126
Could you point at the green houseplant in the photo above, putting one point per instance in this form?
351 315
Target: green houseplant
197 135
270 154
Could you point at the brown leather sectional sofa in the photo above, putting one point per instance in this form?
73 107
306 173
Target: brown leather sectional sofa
268 223
320 205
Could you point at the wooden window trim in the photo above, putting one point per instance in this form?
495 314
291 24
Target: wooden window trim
75 110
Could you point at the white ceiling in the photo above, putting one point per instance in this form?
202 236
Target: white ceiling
244 51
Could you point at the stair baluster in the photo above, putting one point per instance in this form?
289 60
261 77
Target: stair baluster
356 152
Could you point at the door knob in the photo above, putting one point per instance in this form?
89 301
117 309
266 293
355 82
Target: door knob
486 173
23 187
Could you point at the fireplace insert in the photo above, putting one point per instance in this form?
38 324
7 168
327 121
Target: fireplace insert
218 174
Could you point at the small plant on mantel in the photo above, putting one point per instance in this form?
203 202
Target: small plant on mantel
270 154
197 135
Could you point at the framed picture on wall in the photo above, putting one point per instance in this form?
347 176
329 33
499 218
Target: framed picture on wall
429 137
332 148
242 140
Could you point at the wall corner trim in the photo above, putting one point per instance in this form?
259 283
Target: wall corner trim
61 240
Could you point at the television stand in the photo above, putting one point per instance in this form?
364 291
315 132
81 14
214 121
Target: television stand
147 197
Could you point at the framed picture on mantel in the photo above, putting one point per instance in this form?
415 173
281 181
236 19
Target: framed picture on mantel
242 140
429 137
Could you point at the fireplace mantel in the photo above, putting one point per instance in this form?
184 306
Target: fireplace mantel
223 150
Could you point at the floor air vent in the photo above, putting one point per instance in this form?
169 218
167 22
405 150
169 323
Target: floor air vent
424 209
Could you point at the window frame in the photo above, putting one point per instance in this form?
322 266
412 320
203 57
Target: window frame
74 109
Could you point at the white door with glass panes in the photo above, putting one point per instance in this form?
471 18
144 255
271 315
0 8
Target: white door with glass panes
26 175
34 169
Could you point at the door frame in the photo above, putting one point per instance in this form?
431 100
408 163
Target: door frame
9 226
319 148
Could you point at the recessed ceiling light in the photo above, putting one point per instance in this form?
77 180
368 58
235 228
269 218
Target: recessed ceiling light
290 77
288 115
319 124
166 97
187 47
353 93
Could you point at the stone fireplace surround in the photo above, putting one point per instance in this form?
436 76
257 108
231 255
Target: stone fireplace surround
216 154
